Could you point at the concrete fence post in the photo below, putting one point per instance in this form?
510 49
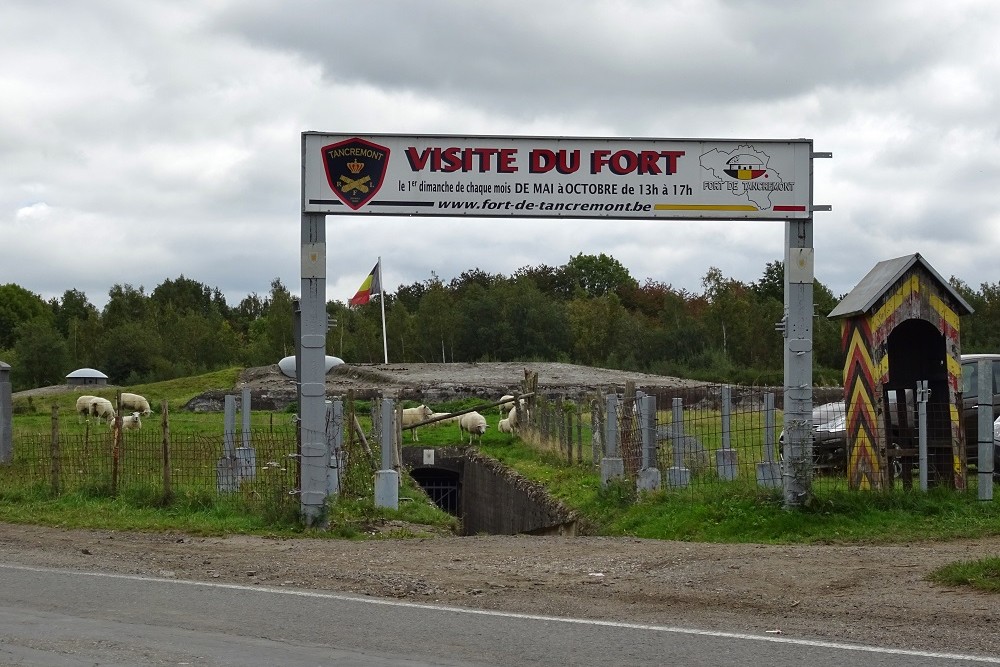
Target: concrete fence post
612 465
726 457
6 414
387 479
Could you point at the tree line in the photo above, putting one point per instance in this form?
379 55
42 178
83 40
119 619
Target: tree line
589 311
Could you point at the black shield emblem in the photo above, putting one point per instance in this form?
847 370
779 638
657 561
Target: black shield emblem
355 169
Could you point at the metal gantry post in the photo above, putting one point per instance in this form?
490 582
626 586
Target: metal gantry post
798 331
312 370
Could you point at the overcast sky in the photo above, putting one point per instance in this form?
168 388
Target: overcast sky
142 141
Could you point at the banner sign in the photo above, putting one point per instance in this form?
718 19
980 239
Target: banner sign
552 177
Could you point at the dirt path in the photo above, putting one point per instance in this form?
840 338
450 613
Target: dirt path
863 594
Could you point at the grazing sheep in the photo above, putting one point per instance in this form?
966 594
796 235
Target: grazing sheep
512 416
509 403
474 424
136 403
504 426
415 416
102 409
83 406
130 422
446 420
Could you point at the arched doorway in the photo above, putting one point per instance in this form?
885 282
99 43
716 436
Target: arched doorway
917 352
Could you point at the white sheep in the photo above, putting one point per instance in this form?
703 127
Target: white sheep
446 420
130 422
102 408
504 426
512 416
136 403
415 416
474 424
83 405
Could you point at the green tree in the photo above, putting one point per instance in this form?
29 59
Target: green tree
17 306
125 304
598 275
79 322
41 354
435 325
593 323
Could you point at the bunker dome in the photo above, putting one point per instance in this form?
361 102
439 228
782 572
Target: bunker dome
287 365
86 376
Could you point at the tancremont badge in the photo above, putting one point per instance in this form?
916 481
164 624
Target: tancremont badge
355 169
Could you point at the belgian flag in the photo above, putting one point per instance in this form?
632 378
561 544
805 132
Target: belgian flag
369 288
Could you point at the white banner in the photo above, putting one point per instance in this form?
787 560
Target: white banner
570 177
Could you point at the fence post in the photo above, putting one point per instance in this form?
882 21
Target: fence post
55 451
597 446
579 432
6 415
168 489
769 470
677 475
725 456
648 478
984 464
116 443
386 479
335 437
612 465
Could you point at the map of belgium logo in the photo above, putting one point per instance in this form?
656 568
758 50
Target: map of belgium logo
745 167
355 169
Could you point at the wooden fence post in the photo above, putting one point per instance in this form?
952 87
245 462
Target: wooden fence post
168 491
579 433
55 450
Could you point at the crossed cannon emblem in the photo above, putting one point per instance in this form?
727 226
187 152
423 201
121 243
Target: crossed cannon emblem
348 184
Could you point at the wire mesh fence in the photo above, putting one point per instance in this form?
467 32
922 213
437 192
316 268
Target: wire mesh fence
705 436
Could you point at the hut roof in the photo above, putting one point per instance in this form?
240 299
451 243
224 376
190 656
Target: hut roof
881 278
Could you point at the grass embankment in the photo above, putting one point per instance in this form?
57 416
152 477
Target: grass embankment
709 513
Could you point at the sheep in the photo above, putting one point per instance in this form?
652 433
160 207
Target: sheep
509 403
474 424
512 416
130 422
504 426
415 416
83 406
136 403
446 420
102 409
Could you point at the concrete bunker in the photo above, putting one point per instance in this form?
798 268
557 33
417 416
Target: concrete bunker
487 496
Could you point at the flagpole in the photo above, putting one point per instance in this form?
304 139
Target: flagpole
381 299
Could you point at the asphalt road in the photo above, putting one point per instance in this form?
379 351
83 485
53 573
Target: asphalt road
67 618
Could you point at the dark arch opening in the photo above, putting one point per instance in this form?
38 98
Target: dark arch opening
442 486
917 351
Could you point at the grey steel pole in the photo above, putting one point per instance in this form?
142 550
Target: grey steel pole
6 414
798 332
922 393
312 371
984 464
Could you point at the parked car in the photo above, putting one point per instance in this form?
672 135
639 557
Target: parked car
829 422
830 419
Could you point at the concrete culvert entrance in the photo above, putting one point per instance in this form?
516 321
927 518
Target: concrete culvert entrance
444 487
488 497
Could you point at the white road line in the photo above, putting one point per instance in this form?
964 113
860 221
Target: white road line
505 614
